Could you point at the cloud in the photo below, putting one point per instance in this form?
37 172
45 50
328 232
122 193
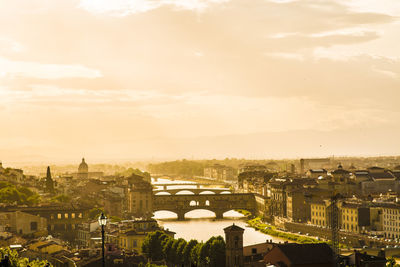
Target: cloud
128 7
124 71
45 71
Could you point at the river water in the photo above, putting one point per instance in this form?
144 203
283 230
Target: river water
201 224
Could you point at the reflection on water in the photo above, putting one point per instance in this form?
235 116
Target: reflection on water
201 224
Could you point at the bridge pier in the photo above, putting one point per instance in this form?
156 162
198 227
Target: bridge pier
181 216
219 215
198 186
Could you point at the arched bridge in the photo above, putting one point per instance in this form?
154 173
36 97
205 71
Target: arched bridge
195 191
181 204
198 185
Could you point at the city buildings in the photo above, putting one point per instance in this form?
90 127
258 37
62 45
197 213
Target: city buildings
22 223
140 197
220 172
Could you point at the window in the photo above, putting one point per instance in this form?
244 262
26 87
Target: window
34 226
59 216
66 215
254 251
236 241
73 215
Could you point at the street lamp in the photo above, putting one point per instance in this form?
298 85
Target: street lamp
102 222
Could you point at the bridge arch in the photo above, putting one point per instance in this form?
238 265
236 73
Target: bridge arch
193 191
166 214
217 203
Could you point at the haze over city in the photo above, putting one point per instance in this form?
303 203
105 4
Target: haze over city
132 80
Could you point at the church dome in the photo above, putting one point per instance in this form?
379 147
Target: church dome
83 167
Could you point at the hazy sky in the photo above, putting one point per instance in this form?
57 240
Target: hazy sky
136 79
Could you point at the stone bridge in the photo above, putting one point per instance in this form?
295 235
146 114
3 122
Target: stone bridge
195 191
217 203
198 185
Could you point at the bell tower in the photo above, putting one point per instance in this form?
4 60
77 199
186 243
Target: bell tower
234 246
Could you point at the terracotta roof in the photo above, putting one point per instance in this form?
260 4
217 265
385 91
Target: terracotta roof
306 253
382 175
233 227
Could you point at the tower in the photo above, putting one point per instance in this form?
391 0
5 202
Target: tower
83 170
139 197
49 181
234 246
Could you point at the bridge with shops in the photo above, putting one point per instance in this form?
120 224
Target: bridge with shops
217 203
195 191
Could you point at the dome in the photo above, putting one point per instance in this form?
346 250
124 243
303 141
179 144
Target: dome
83 167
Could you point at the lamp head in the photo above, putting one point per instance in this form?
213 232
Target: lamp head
102 219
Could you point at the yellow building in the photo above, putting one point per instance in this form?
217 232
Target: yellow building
133 232
391 220
140 197
319 212
349 217
131 241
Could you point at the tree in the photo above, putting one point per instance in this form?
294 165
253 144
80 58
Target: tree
187 250
195 254
217 252
15 261
10 193
152 245
95 213
167 246
179 251
391 262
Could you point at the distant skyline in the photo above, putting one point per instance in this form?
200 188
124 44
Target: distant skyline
170 79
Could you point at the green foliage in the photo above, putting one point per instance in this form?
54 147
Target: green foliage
179 167
167 249
187 250
95 213
217 252
196 167
391 262
158 246
10 193
195 253
131 171
152 245
115 219
16 261
271 230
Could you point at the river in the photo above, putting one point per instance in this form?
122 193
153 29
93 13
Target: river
201 225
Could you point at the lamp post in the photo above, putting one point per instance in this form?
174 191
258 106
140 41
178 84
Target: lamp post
102 222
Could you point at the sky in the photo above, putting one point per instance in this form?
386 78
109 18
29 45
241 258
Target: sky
170 79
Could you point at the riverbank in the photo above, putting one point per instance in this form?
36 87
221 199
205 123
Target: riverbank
268 229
